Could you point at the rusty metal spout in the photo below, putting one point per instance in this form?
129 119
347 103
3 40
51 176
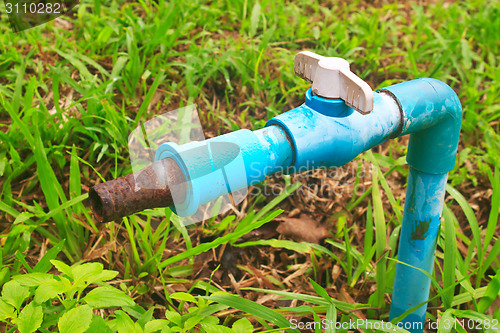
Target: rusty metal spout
149 188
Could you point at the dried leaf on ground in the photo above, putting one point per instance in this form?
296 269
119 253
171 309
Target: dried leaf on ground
302 229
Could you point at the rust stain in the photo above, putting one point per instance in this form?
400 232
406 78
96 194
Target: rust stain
121 197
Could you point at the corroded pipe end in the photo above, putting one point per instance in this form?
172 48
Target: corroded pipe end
149 188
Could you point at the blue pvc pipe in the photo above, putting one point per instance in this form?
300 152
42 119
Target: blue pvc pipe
245 158
417 244
324 136
327 133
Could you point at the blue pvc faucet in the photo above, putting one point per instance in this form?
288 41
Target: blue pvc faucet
341 118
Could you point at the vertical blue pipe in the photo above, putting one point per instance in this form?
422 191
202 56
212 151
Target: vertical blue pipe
417 244
432 114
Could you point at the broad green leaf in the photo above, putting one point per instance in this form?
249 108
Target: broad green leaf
174 317
14 294
107 297
76 320
209 320
215 328
87 272
155 325
30 318
6 310
192 322
139 313
146 317
98 325
105 275
243 326
183 297
62 267
125 325
32 279
51 289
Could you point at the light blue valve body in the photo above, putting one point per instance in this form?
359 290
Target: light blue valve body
326 133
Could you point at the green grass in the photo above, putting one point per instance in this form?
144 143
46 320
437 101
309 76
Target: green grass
72 91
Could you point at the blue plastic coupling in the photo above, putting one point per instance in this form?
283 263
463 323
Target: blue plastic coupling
225 164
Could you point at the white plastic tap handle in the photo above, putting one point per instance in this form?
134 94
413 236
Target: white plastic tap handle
332 78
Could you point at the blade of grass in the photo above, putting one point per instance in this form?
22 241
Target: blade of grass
149 96
331 317
490 294
348 253
253 308
218 241
492 256
471 218
495 209
44 265
302 247
350 206
286 295
450 242
395 206
381 240
53 192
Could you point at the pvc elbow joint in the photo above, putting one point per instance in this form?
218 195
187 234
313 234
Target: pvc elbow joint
432 114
